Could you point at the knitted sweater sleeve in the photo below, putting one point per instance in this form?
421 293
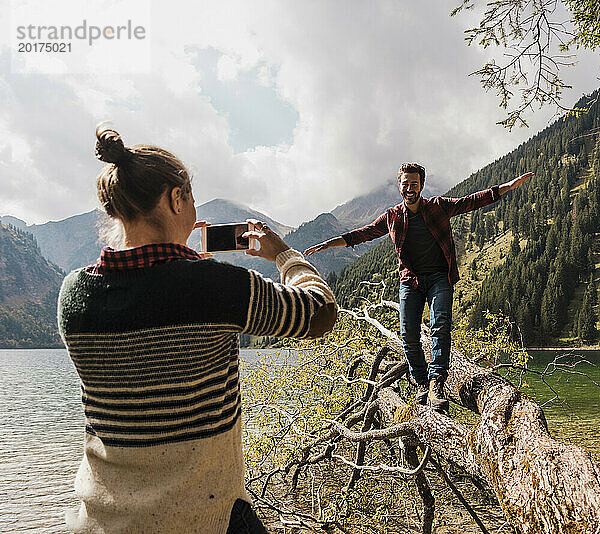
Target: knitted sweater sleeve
302 305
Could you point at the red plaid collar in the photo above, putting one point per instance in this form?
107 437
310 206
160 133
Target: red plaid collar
140 257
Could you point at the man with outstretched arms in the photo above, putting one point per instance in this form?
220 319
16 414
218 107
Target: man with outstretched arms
420 230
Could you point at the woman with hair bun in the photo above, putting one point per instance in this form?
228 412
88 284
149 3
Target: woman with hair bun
152 329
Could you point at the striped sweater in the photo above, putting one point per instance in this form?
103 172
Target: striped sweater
157 352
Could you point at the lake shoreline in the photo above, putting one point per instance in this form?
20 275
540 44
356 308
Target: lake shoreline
32 347
583 347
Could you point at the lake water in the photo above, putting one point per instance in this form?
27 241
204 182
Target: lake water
575 378
41 428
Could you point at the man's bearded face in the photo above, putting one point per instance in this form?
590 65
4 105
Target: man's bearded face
410 187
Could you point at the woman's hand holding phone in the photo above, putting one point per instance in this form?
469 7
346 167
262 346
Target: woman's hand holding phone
270 243
202 224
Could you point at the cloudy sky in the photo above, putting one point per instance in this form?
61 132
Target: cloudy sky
289 107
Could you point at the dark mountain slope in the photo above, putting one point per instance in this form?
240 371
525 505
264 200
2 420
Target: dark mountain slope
29 287
535 254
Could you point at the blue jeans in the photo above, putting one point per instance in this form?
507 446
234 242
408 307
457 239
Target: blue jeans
437 291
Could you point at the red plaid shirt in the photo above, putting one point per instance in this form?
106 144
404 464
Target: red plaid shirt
140 257
436 214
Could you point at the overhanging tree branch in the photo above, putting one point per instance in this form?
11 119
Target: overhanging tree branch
534 41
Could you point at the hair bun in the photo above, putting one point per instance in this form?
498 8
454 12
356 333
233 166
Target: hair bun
110 147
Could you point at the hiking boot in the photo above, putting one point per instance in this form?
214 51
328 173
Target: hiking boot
435 397
422 392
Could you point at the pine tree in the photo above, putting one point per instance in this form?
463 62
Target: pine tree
515 247
586 327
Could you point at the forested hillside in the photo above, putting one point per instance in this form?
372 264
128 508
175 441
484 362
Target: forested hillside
29 287
535 254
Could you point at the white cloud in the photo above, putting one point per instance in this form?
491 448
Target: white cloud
228 68
374 84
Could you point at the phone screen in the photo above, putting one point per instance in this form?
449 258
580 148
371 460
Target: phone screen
226 237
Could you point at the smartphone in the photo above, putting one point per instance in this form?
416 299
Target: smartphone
227 237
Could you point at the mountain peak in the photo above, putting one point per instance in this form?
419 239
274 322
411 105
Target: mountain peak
326 217
17 223
366 208
222 201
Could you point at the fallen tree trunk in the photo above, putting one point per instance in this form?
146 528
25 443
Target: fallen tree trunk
542 485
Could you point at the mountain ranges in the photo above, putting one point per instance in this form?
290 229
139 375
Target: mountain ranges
542 240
